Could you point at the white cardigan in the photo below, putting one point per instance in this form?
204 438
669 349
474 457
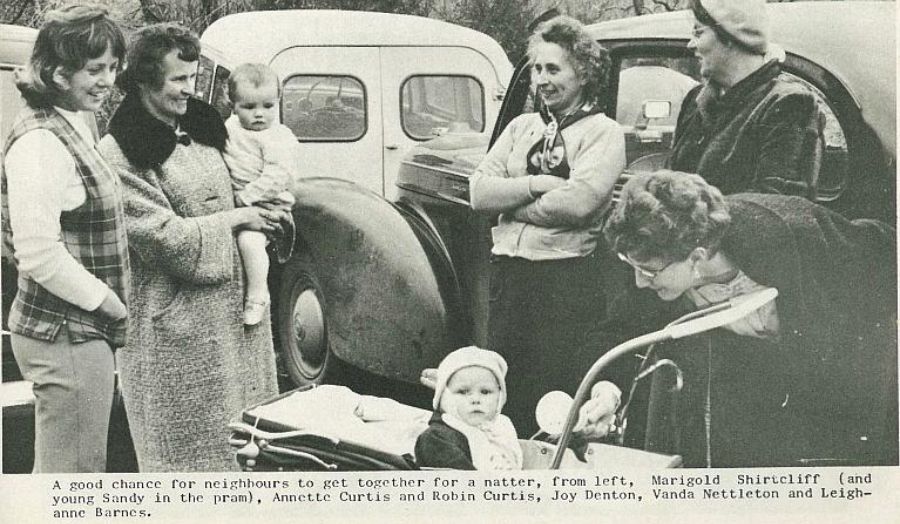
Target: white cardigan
42 182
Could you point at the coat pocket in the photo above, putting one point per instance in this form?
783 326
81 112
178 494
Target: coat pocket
171 310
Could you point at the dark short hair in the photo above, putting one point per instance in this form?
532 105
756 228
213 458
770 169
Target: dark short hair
590 59
149 47
253 74
69 38
666 215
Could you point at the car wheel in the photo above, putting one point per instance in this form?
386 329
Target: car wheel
301 325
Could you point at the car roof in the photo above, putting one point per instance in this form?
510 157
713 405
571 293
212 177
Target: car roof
240 34
16 43
821 32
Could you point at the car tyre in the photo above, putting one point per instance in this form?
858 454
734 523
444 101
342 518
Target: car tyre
301 325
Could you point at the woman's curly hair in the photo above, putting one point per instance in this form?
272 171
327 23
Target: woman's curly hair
666 215
68 38
590 59
149 47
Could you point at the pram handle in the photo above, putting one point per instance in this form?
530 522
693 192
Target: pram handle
257 433
703 320
264 445
262 440
303 455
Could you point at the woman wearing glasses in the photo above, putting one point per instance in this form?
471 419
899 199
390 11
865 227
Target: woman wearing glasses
550 177
809 379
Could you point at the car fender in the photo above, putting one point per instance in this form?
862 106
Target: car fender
459 316
383 303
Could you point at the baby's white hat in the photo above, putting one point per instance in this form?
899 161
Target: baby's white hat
470 356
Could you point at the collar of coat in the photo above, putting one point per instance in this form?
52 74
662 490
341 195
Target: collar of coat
147 141
711 100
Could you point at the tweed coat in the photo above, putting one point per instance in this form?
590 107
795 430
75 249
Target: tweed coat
191 365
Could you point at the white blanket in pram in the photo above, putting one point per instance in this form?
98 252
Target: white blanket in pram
336 412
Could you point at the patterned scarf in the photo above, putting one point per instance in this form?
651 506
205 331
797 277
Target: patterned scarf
548 155
762 323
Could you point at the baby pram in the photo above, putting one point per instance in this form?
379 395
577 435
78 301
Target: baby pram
331 428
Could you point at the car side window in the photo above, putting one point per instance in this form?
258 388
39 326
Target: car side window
203 85
650 93
212 85
220 98
834 172
324 108
432 105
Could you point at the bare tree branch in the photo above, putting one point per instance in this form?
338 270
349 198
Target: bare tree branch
148 12
22 7
672 5
638 6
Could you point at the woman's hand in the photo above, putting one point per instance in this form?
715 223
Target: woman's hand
112 306
255 219
597 417
540 184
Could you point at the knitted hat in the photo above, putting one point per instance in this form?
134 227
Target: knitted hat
465 357
743 21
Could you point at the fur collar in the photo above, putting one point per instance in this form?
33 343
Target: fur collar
147 142
712 99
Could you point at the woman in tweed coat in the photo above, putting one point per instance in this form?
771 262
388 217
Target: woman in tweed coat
191 364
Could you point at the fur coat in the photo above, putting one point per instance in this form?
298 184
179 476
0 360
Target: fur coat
765 134
190 365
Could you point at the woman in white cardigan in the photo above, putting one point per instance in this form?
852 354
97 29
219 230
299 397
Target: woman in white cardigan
63 219
550 177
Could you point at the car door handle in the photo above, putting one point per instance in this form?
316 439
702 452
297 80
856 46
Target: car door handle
649 136
392 147
452 198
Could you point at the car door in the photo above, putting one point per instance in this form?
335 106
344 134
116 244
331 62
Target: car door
332 101
650 88
430 92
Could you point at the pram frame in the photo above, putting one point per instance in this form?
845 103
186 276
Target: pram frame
279 444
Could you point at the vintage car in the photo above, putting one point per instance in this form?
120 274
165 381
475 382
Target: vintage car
389 271
826 45
361 285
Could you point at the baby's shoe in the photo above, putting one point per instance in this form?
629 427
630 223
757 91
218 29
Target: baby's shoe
254 311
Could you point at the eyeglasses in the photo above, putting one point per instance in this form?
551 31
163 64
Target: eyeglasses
698 31
649 274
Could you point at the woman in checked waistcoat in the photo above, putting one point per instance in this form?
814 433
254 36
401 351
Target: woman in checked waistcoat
63 221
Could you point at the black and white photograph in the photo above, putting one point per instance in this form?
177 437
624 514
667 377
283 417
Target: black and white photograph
491 260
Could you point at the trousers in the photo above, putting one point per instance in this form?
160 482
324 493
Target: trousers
73 389
540 313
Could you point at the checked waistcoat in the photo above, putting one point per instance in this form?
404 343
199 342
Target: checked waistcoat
93 233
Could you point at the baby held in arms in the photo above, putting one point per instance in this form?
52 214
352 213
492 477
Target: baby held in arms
467 430
262 156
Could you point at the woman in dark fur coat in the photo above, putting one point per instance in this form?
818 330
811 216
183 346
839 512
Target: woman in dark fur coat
808 380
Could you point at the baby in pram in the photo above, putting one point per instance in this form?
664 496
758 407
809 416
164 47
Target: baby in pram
467 430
